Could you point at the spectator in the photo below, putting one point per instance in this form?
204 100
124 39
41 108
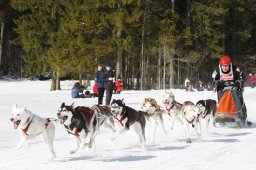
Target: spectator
99 79
252 80
119 85
77 91
108 83
95 90
187 82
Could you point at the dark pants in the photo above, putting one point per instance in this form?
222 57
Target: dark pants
80 96
109 92
100 95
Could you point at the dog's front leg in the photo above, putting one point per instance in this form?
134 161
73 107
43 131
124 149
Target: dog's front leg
188 138
117 133
23 140
78 141
197 127
161 121
173 117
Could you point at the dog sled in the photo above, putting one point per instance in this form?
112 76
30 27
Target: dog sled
231 110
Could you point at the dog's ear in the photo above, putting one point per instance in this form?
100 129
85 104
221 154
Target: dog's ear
24 108
14 107
62 105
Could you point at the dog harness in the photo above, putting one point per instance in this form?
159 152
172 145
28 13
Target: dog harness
123 114
26 129
80 110
75 133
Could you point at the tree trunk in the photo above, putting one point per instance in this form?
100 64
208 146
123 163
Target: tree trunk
164 51
159 68
53 84
119 61
142 69
172 72
1 44
58 80
81 78
133 72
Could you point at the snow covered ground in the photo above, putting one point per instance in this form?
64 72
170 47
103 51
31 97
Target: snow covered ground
223 149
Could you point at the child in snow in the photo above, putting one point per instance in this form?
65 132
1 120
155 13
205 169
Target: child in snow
251 80
119 85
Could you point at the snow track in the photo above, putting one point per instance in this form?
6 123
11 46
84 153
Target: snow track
224 148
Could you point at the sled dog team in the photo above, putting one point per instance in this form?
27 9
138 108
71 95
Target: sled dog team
83 122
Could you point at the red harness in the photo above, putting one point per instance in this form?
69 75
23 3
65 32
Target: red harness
26 129
190 121
75 133
123 115
80 110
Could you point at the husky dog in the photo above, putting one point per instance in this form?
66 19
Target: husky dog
187 113
207 110
125 117
31 125
81 121
155 113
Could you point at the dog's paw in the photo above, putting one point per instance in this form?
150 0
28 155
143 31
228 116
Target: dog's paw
52 157
72 152
113 137
19 146
188 140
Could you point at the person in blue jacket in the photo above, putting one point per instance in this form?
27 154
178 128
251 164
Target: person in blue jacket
77 91
99 80
109 83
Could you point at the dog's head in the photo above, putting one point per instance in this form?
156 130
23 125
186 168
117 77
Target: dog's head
201 105
149 105
168 98
65 113
19 116
117 106
191 110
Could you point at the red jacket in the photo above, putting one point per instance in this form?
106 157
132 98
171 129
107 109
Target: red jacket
119 86
251 79
95 88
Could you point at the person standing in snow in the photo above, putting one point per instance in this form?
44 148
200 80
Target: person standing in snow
99 80
119 85
108 83
187 82
251 80
228 73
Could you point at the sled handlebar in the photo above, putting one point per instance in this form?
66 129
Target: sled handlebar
229 85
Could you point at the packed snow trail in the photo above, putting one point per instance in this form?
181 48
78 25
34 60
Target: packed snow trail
224 148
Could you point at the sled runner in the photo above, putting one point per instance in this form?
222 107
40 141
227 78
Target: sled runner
231 110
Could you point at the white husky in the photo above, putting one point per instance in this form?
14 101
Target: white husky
187 113
31 125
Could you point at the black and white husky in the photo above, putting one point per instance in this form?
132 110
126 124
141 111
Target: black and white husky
126 117
81 121
155 113
187 113
31 125
207 110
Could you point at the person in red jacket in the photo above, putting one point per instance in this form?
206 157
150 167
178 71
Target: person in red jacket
119 85
95 90
252 80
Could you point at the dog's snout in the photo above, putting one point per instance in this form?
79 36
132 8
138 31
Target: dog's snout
58 114
12 119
